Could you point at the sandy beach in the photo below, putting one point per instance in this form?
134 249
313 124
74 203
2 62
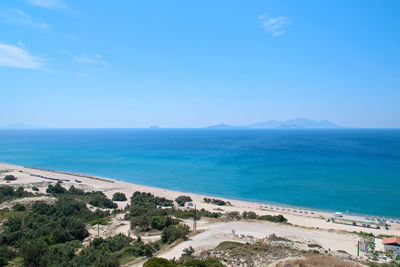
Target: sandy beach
309 225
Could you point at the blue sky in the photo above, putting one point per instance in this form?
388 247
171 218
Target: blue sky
197 63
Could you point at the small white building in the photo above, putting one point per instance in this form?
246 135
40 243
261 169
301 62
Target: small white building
393 244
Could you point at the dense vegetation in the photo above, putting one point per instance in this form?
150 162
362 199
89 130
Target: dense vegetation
8 193
94 198
235 215
181 200
119 197
148 212
51 234
47 229
185 262
45 234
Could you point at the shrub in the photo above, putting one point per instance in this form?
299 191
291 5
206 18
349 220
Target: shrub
233 215
215 201
210 262
34 188
119 197
10 178
172 233
8 193
249 215
34 253
19 207
274 237
273 218
181 200
158 262
56 189
160 222
5 255
99 199
188 252
75 191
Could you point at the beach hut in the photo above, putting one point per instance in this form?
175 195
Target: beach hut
393 244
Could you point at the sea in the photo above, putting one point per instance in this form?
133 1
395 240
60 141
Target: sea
354 170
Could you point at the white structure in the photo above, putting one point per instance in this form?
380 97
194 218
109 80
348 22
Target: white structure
338 214
393 244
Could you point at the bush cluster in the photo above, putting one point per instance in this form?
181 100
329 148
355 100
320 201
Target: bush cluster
49 234
10 178
8 193
94 198
183 262
119 197
181 200
215 201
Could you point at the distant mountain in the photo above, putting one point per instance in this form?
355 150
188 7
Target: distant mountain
298 123
225 126
154 127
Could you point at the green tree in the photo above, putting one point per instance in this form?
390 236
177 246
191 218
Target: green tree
118 196
188 252
181 200
172 233
34 253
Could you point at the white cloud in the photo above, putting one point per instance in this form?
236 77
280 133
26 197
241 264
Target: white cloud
96 59
86 59
274 26
16 57
54 4
18 16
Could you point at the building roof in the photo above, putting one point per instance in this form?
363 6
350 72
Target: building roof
391 241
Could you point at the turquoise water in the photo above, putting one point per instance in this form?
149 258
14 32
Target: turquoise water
355 170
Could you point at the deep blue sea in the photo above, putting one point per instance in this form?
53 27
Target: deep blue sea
338 170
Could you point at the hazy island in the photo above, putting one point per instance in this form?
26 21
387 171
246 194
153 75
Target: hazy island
298 123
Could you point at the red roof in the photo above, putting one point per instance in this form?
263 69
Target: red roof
391 241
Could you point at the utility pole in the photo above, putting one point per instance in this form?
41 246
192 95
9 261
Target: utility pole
194 218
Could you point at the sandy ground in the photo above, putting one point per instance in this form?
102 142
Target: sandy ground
219 232
215 232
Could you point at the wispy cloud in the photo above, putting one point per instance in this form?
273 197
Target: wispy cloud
18 16
96 59
53 4
16 57
274 26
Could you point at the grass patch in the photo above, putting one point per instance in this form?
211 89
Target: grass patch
5 214
274 237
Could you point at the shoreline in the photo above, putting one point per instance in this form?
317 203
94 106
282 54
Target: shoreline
205 194
300 216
